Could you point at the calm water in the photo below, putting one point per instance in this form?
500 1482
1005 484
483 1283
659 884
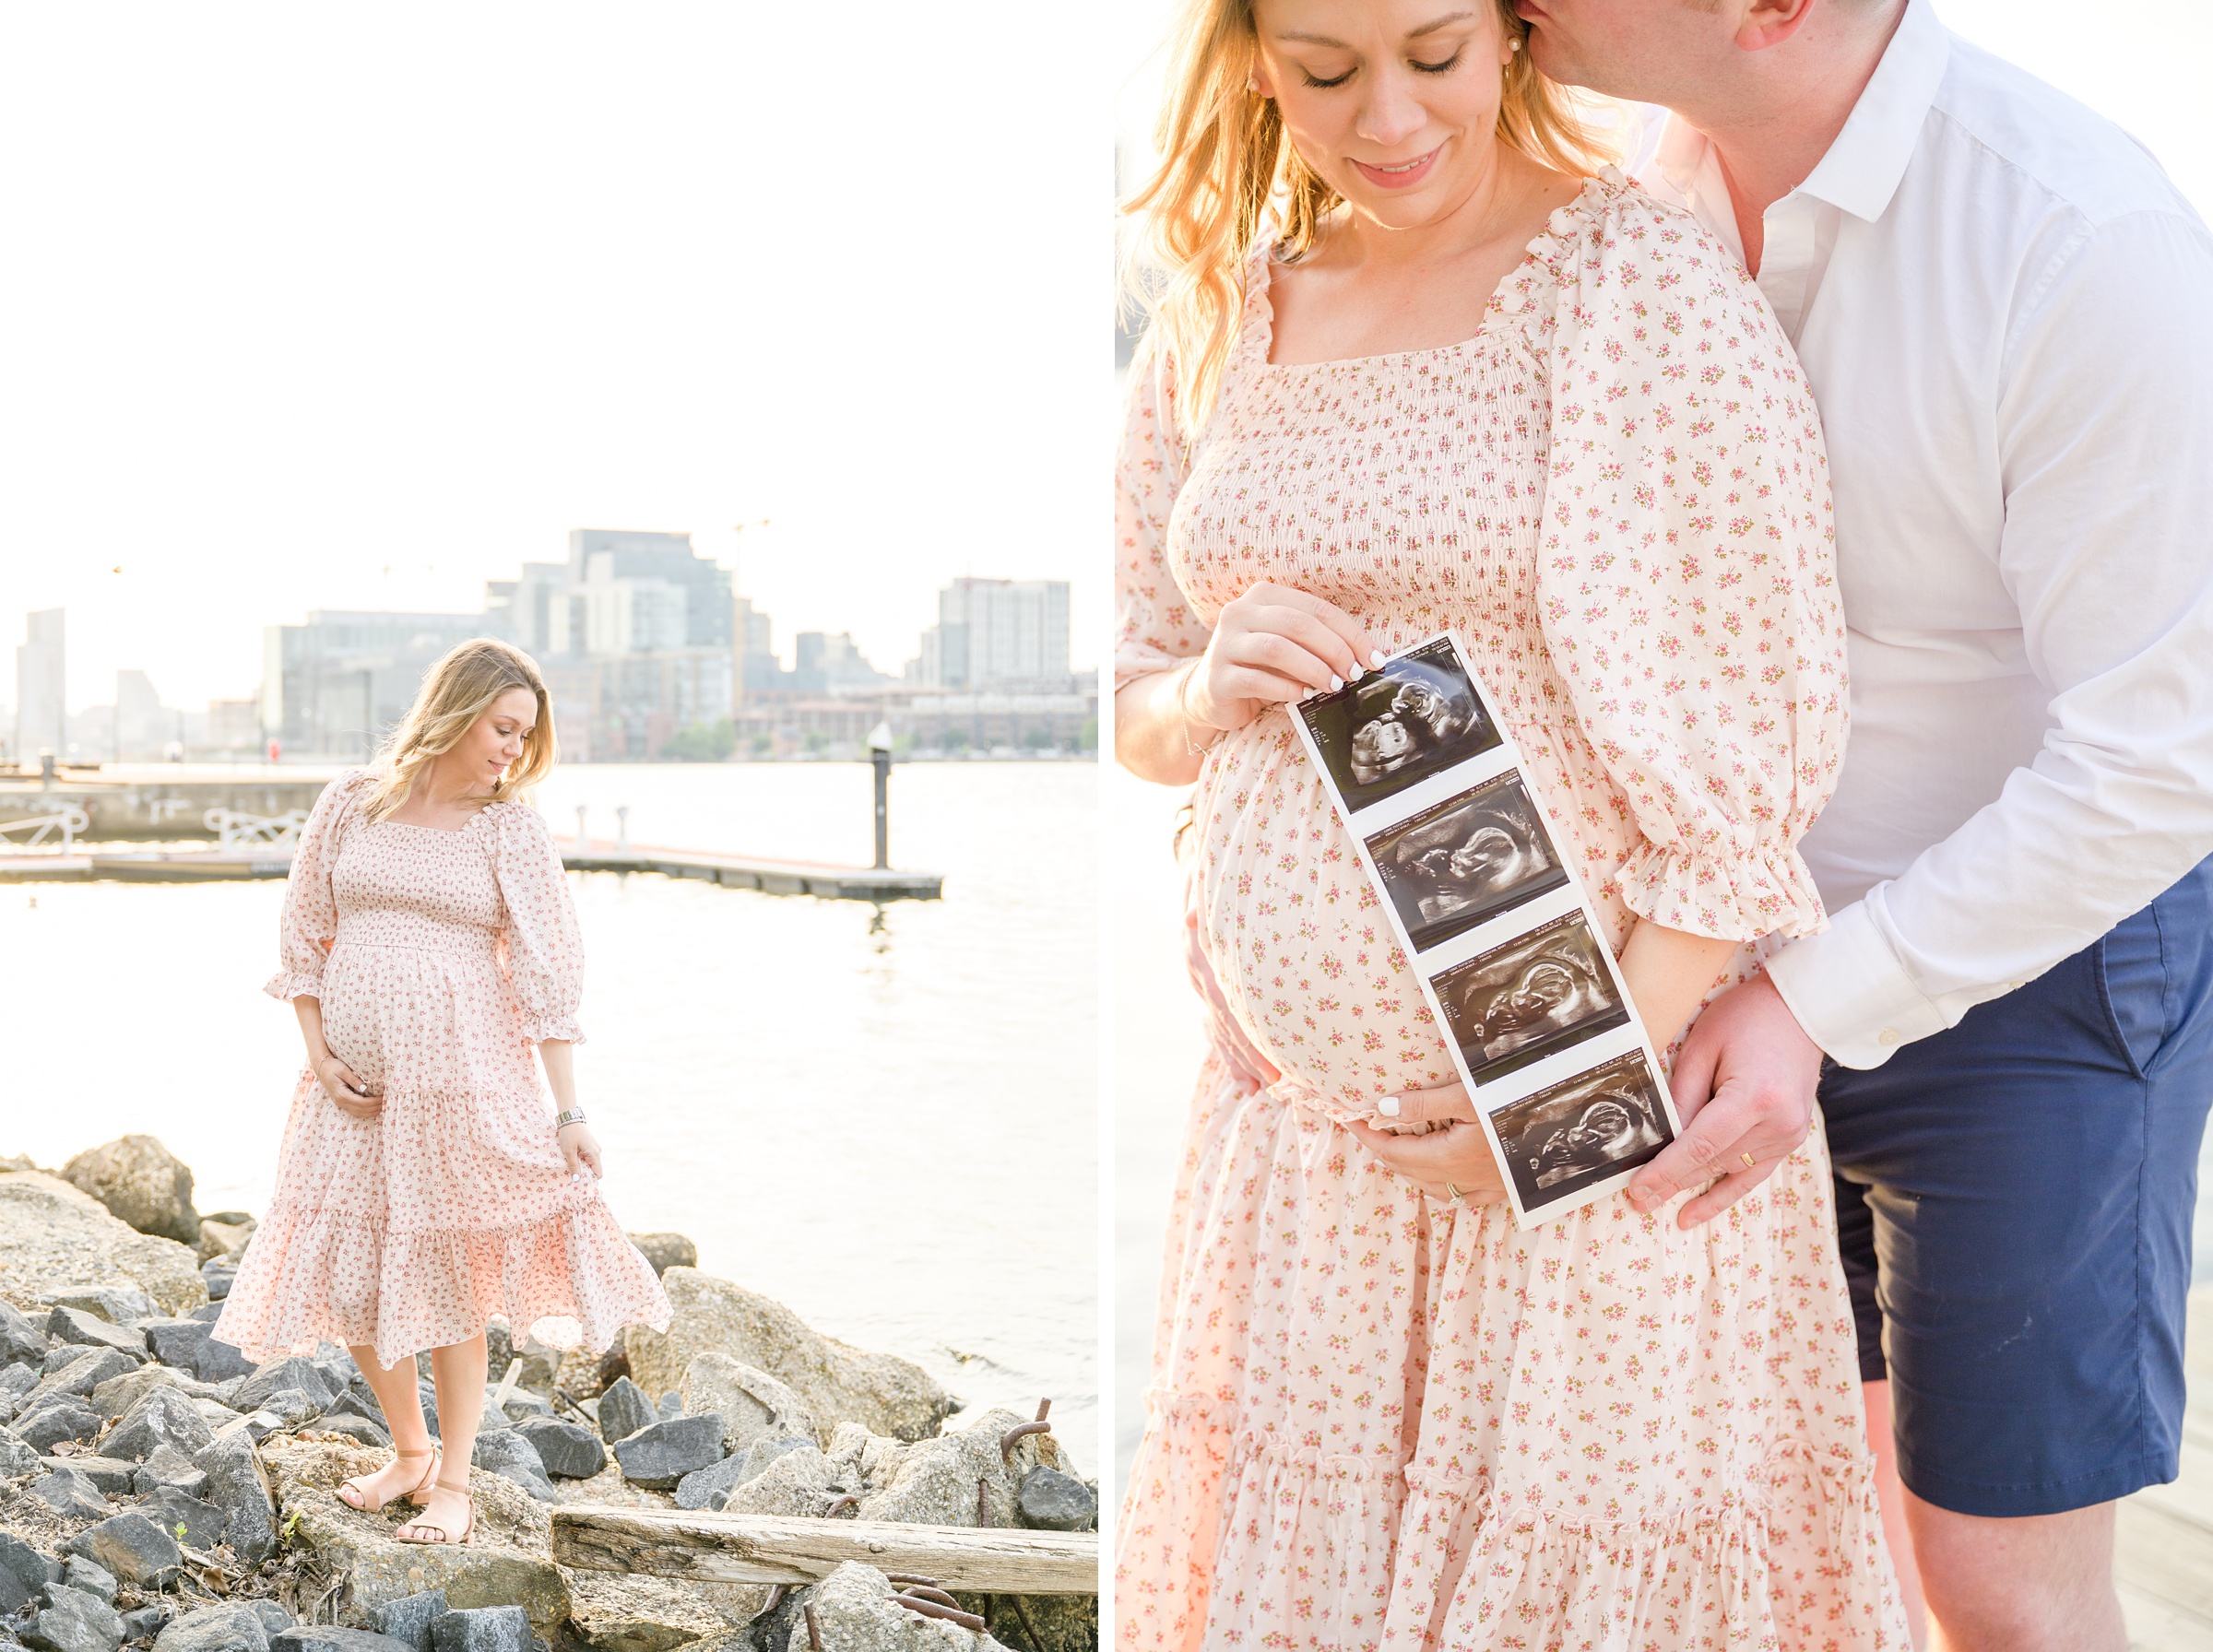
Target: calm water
886 1120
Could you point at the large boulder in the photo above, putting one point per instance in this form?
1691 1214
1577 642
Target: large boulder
130 1547
751 1402
141 1183
239 1485
567 1450
661 1454
665 1251
51 1235
837 1382
232 1627
73 1620
618 1612
161 1417
507 1562
934 1481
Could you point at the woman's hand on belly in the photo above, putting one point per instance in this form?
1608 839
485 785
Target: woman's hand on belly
1455 1158
347 1090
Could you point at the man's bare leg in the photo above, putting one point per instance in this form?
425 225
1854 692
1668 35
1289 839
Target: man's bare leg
1892 1497
2038 1582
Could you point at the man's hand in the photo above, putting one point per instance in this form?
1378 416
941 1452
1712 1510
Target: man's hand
1743 1084
1459 1154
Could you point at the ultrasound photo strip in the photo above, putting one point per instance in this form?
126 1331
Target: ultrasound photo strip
1508 951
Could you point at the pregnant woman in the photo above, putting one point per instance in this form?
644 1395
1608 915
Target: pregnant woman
1418 364
429 947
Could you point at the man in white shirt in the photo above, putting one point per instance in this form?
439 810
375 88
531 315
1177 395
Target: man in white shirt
2007 315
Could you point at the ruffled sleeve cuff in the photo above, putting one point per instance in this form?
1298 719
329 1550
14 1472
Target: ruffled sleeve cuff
539 1028
287 985
1768 892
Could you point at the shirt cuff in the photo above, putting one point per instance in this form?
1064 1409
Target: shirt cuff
1850 992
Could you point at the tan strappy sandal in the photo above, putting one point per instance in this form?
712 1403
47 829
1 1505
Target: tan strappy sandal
370 1503
467 1532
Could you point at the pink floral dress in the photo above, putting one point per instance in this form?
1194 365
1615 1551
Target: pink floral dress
1377 1422
440 959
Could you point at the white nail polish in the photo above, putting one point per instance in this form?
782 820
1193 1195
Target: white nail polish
1376 658
1389 1106
1336 683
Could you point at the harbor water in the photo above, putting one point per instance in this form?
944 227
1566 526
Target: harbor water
883 1117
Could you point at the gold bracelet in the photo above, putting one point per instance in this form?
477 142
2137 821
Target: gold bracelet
1183 712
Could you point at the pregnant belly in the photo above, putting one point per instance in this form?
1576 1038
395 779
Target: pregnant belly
411 1019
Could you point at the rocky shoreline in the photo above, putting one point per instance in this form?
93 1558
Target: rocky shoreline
158 1492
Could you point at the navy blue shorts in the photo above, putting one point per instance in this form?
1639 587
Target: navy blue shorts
2015 1199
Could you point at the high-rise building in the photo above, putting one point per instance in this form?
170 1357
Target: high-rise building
992 633
338 684
42 688
610 555
144 727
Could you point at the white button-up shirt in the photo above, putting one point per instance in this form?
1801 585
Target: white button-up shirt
2007 315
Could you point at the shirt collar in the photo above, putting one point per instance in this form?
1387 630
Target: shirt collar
1862 168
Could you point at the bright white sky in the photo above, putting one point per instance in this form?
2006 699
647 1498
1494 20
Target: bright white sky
319 306
311 307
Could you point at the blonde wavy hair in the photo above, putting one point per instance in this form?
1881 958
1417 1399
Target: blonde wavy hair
1231 173
458 690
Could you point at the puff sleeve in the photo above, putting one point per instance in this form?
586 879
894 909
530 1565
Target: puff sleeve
1155 627
1686 570
542 947
309 922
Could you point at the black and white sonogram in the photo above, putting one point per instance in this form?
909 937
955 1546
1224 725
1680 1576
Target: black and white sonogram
1466 861
1538 992
1411 718
1586 1129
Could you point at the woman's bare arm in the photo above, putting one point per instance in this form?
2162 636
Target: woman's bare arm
1669 974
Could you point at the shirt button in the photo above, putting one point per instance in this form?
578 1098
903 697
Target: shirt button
1889 1035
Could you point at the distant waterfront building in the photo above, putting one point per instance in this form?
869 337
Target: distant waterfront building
42 688
335 686
828 663
233 725
145 730
997 632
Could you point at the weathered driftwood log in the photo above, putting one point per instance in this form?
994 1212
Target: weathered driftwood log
714 1548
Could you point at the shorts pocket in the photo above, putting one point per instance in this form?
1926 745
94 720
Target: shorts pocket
2131 979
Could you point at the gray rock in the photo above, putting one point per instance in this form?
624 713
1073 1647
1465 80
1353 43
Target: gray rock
80 1371
78 1572
567 1450
799 1484
20 1341
274 1618
226 1233
73 1620
752 1403
506 1452
65 1417
408 1619
427 1397
21 1378
353 1428
214 1361
699 1489
1051 1501
293 1406
194 1523
232 1627
484 1629
141 1183
175 1341
164 1417
255 1426
520 1403
118 1305
113 1476
239 1485
624 1410
60 1355
131 1547
30 1570
218 1277
167 1465
66 1491
74 1324
209 1311
147 1621
661 1454
117 1394
291 1371
18 1456
665 1251
307 1637
672 1405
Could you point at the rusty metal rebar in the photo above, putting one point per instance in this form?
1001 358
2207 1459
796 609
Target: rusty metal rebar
912 1577
1028 1628
847 1502
1043 1406
983 1503
926 1592
930 1608
814 1631
776 1597
1007 1440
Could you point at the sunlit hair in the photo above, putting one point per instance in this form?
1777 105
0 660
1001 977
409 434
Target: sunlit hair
1231 173
458 690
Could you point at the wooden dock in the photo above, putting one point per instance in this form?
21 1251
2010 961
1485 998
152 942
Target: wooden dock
102 864
2163 1551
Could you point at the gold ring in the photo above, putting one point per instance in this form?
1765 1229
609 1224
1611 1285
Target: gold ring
1750 1162
1458 1202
